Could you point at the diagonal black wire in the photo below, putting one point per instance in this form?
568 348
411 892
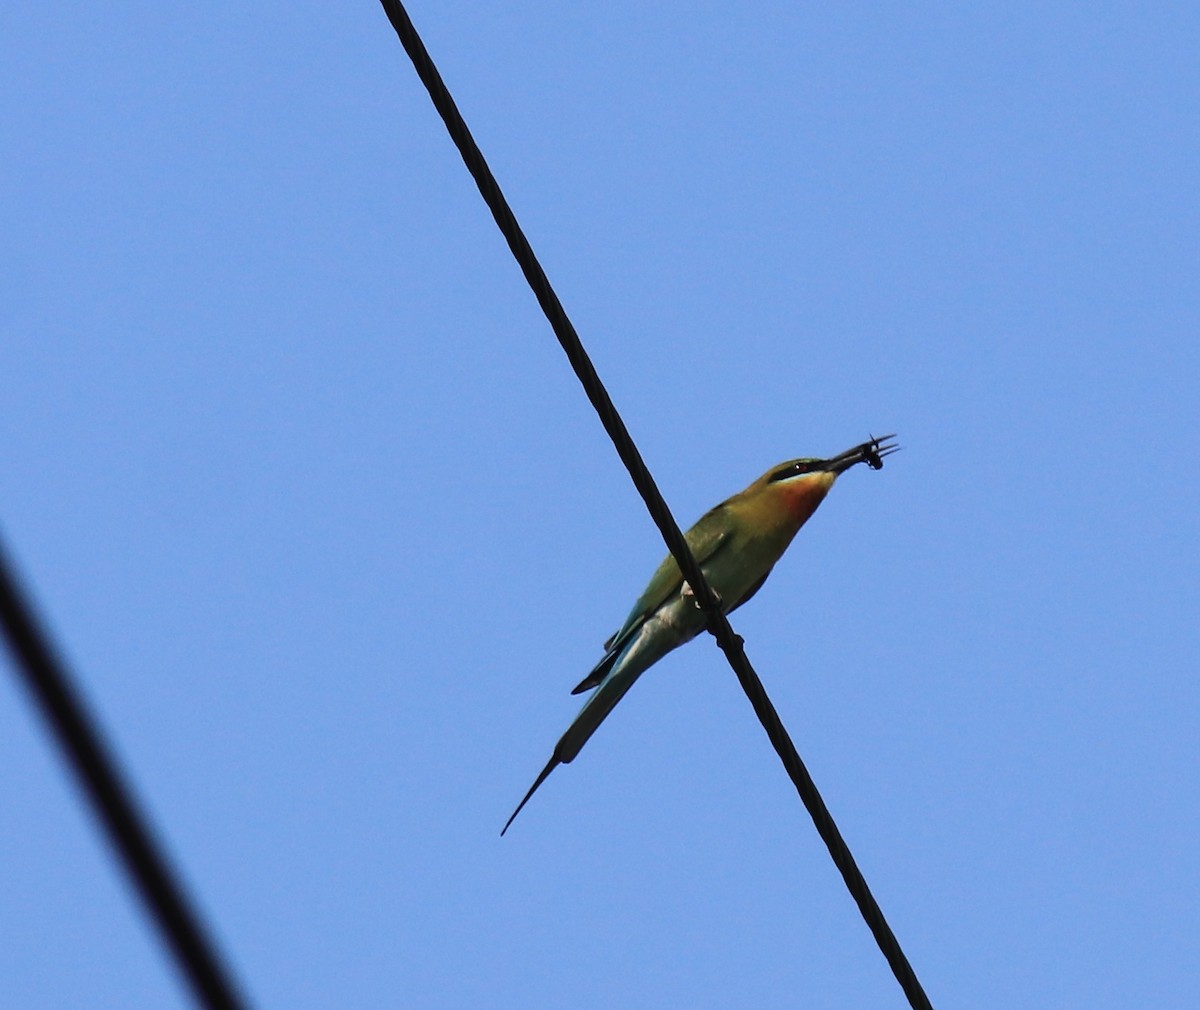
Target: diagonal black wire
718 625
112 802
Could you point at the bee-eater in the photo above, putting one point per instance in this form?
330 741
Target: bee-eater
736 544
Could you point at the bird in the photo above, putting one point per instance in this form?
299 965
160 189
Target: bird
736 544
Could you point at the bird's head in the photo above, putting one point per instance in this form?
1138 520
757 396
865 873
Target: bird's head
802 483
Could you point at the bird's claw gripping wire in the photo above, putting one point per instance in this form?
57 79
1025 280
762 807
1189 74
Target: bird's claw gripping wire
688 591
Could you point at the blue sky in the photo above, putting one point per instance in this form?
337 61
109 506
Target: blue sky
316 509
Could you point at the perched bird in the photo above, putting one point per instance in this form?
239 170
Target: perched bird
736 545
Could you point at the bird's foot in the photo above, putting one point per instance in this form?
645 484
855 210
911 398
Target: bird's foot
687 591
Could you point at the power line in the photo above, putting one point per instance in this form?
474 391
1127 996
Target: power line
718 625
112 802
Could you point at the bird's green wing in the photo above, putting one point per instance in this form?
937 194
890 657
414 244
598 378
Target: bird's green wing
710 533
705 539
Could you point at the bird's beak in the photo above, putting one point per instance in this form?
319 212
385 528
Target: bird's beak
871 453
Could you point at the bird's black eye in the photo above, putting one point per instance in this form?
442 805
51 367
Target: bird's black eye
792 469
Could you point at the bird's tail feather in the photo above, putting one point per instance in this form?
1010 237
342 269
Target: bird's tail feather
550 766
621 669
598 672
595 710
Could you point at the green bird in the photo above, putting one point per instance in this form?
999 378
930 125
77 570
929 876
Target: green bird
736 544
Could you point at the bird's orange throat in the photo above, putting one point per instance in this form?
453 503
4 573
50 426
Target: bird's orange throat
802 497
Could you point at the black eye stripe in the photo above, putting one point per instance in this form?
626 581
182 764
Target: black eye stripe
802 466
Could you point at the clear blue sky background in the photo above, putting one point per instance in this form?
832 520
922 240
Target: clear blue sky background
317 511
